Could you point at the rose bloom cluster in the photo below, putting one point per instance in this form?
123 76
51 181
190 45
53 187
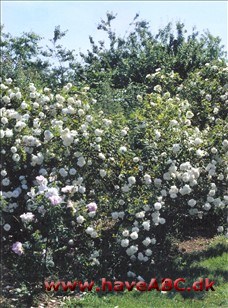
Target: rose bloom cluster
59 152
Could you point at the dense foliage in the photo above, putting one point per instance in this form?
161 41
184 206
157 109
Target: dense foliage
88 192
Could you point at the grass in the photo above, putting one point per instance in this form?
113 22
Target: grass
216 263
138 300
210 263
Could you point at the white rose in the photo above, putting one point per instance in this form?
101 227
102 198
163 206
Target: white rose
80 219
115 215
102 173
125 243
140 214
131 180
81 161
122 149
192 202
72 171
6 227
147 241
134 235
220 229
157 206
136 159
123 132
94 234
148 252
125 233
189 114
89 230
146 225
101 156
140 256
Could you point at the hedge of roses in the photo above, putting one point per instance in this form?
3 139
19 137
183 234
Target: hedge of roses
86 195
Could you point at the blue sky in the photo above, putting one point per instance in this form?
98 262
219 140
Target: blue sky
82 17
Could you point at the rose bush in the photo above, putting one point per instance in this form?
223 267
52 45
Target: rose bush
84 195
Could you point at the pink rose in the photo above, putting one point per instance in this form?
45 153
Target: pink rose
92 207
17 248
55 200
